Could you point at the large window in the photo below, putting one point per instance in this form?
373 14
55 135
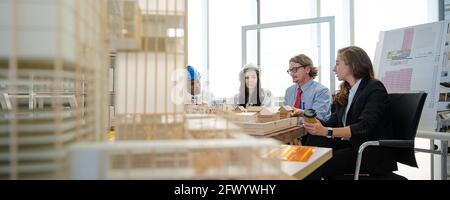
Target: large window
282 41
286 10
227 17
225 24
341 12
197 51
338 9
278 45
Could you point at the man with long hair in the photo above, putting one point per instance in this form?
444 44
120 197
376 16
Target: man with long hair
306 93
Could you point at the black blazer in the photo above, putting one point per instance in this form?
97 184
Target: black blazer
368 120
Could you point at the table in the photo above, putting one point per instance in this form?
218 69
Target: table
300 170
289 136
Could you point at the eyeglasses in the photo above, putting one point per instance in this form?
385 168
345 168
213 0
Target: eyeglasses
294 69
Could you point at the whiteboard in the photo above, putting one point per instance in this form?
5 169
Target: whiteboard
415 59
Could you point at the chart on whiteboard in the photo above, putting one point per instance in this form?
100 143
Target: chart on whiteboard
410 59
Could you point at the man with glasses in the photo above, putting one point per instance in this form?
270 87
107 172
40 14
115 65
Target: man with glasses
306 93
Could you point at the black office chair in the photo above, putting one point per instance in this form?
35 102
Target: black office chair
405 110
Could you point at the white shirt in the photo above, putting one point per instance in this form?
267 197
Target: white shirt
350 99
203 98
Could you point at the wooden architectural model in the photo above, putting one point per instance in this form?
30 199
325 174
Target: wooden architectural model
268 115
53 91
239 157
241 116
254 108
285 112
263 129
239 109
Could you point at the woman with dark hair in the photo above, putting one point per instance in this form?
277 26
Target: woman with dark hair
360 115
250 91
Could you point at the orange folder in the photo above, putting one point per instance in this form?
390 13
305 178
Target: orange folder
292 153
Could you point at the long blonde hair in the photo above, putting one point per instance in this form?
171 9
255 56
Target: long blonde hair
305 61
361 68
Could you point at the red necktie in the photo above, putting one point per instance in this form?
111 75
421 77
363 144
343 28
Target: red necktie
299 98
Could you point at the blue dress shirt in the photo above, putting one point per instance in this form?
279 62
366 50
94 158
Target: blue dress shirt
314 96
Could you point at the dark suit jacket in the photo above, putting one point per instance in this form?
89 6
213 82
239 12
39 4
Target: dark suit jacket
368 120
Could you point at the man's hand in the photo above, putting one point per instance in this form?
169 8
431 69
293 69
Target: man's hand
297 112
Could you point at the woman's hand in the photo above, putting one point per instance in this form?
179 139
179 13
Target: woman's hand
297 112
315 128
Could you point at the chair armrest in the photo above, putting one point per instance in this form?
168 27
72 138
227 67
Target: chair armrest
360 152
382 143
397 143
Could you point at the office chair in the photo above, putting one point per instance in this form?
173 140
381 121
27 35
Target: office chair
405 110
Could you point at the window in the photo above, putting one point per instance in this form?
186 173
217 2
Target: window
197 35
227 17
285 10
225 24
338 9
282 42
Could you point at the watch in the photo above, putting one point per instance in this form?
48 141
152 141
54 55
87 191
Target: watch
330 132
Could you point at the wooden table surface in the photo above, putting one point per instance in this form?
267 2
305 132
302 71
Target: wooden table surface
288 136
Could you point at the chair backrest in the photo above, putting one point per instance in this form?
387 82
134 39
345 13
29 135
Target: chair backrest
405 110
